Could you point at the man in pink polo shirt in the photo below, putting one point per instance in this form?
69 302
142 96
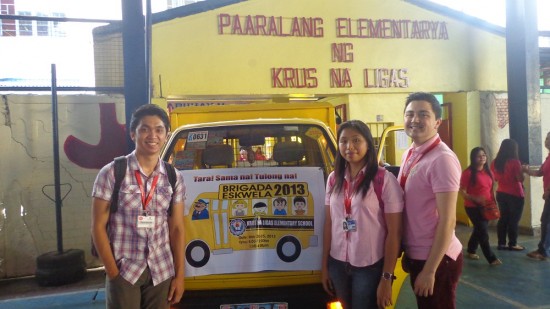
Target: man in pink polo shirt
430 177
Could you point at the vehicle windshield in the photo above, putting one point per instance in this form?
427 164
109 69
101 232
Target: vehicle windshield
262 145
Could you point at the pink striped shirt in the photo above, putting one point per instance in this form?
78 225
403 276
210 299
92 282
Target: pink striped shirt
135 249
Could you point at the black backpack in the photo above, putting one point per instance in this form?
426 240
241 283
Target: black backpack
120 165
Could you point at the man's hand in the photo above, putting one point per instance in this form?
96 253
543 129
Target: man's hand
424 284
176 290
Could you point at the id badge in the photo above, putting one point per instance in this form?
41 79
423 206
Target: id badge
349 225
145 222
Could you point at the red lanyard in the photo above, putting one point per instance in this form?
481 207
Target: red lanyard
145 199
349 193
406 173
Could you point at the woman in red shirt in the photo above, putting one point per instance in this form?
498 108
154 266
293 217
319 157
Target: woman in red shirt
476 186
510 197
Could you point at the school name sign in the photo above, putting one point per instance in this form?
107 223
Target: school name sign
315 27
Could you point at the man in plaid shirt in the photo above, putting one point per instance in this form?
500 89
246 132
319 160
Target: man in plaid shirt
143 249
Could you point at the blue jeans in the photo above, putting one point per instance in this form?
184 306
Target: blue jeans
547 241
355 287
511 209
544 244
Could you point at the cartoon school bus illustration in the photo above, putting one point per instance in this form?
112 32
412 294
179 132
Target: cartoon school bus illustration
226 231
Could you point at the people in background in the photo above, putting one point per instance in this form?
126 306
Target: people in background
543 250
508 174
247 154
243 154
259 155
136 277
430 175
356 268
476 187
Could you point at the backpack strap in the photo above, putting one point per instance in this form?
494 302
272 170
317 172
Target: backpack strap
172 178
378 183
120 165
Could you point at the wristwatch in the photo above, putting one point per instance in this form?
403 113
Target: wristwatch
388 276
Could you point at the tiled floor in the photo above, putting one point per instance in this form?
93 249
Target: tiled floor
519 283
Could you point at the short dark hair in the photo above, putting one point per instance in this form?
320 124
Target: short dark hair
428 97
149 110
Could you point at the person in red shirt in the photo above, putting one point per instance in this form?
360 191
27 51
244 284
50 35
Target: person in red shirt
259 155
543 249
476 186
508 173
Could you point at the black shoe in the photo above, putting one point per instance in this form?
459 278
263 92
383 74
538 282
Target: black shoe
502 247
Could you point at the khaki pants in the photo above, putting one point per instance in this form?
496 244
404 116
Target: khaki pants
120 294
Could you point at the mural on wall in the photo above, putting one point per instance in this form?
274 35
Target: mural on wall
112 142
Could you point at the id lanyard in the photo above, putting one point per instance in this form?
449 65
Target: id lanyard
145 199
406 173
348 194
349 224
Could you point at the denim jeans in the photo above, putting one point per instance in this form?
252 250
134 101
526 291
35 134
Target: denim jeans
355 287
547 241
511 209
446 279
479 236
544 244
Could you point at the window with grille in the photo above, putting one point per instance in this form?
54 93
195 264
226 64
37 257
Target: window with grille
25 26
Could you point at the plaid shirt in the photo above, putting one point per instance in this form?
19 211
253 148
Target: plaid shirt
135 249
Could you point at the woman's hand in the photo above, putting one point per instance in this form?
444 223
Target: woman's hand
327 283
383 293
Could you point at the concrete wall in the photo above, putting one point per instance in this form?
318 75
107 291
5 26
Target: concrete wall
193 57
27 216
494 128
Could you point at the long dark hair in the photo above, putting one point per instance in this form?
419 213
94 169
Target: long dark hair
473 168
508 150
370 158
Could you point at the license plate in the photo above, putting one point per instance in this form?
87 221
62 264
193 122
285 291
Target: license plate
256 306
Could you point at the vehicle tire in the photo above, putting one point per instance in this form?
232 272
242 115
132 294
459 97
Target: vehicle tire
289 249
197 253
54 268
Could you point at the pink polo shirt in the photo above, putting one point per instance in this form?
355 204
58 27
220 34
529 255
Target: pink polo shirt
437 171
365 246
